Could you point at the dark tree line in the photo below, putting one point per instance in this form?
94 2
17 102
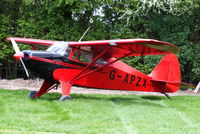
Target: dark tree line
177 22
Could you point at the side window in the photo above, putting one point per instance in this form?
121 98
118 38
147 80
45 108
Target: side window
82 56
75 55
100 62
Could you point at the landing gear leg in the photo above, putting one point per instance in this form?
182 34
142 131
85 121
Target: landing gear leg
46 86
65 86
167 95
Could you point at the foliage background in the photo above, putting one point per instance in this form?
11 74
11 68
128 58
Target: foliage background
174 21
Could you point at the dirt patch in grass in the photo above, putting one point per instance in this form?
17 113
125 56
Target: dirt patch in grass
35 85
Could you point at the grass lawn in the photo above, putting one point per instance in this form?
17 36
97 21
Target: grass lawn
98 114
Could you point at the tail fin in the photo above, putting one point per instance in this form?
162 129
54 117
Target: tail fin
166 77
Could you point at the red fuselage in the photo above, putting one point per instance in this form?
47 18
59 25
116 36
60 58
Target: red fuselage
116 76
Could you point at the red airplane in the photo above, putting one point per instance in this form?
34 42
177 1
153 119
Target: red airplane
96 64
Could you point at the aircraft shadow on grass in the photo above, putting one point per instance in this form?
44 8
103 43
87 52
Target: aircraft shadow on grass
118 100
154 98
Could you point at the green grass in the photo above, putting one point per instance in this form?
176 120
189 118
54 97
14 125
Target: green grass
98 114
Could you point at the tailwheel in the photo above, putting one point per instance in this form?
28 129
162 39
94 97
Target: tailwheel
65 98
32 94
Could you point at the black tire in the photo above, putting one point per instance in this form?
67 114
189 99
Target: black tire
32 94
65 98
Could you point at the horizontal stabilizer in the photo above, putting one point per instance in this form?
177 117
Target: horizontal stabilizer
176 83
185 85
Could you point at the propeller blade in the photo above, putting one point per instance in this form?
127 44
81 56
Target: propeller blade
15 46
27 74
17 50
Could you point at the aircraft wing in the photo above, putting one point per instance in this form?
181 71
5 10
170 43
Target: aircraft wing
119 48
32 41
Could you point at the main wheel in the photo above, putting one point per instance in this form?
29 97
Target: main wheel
65 98
32 94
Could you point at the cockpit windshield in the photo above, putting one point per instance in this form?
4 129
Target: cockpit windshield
59 47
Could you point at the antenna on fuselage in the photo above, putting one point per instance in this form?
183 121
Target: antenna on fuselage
84 34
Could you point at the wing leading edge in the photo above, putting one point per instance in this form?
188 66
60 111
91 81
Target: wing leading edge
118 48
31 41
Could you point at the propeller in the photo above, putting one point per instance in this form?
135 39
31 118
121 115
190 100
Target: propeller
19 53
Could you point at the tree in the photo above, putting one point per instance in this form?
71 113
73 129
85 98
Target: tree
172 21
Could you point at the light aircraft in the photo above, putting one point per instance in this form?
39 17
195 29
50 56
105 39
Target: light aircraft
96 64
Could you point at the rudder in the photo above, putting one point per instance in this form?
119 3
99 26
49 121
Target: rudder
167 74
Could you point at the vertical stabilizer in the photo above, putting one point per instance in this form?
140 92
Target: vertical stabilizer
167 73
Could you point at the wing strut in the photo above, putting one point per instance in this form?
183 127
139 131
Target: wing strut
91 63
84 75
